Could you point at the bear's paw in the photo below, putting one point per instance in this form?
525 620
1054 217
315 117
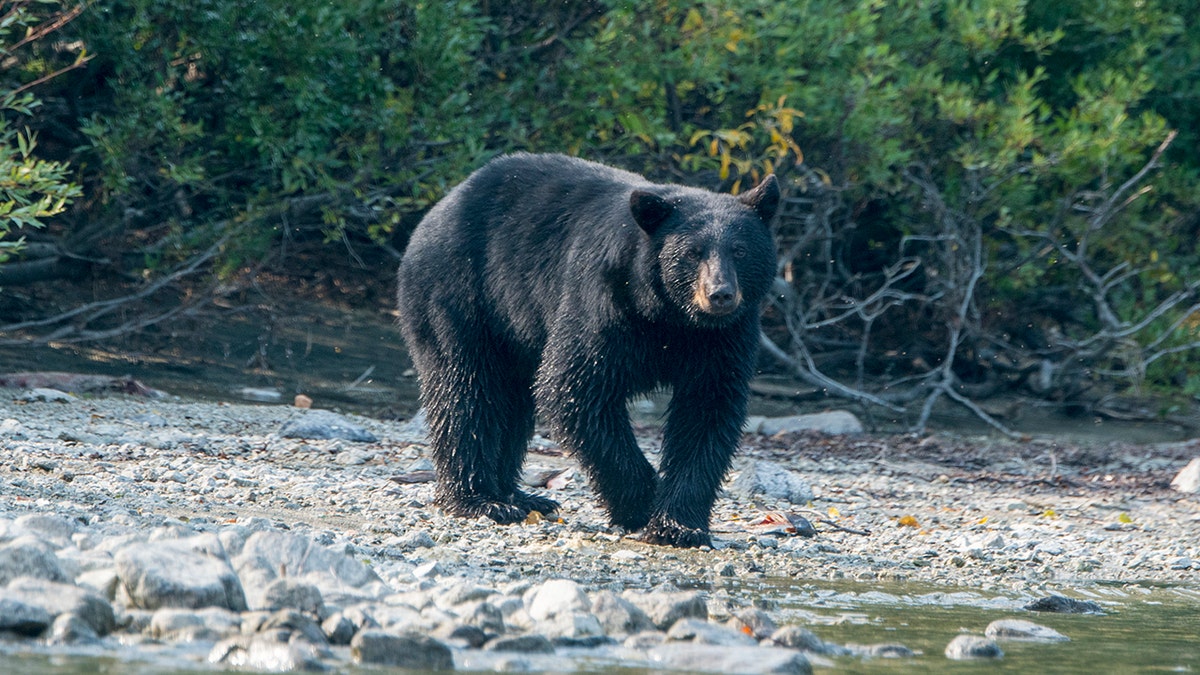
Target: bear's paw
666 531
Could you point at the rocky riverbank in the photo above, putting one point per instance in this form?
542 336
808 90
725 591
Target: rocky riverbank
273 538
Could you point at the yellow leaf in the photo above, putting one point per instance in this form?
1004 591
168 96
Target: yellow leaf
1049 513
908 521
534 518
1124 518
833 512
982 520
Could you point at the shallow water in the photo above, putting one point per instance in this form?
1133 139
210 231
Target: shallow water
1145 629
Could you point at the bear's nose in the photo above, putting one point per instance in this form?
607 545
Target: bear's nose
722 299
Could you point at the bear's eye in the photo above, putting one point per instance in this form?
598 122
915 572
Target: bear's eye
695 253
739 252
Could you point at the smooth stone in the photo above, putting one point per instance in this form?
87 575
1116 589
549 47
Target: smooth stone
48 527
798 637
554 597
288 593
299 557
619 616
57 599
730 659
571 627
769 479
339 629
293 621
831 422
524 644
266 653
175 574
71 629
1020 629
191 625
1063 605
24 558
753 621
417 652
666 607
23 618
965 647
325 425
702 632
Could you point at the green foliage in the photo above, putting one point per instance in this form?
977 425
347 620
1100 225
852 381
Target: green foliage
1016 119
31 189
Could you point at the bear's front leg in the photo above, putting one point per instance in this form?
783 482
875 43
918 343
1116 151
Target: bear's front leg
704 424
581 390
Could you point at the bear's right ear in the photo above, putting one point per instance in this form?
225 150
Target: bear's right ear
649 210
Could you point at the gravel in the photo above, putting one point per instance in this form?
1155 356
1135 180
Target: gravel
126 522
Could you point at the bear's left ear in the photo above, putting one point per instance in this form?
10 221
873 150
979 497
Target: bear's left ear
649 210
764 198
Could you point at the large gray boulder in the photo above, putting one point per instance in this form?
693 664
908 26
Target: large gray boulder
188 573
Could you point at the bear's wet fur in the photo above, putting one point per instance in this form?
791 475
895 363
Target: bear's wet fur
552 285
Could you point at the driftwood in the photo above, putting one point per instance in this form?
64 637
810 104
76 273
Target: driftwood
77 383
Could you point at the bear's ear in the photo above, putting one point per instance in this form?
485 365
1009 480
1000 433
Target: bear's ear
649 210
764 198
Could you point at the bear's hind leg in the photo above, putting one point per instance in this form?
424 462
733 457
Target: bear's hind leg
515 441
466 414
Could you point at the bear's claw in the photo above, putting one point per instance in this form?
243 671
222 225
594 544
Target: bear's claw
666 531
528 502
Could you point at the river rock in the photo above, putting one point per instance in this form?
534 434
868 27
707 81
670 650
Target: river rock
191 625
666 607
269 555
175 574
290 593
965 647
1188 480
554 597
1020 629
338 629
25 557
1063 605
763 478
619 616
831 422
523 644
726 659
23 618
57 599
52 529
325 425
753 621
417 652
71 629
798 637
703 632
265 652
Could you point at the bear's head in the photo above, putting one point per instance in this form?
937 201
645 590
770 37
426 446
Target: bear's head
715 253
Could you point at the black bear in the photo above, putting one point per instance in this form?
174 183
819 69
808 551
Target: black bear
552 284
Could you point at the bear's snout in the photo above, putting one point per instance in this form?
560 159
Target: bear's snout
717 291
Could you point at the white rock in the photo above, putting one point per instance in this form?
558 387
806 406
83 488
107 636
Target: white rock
1020 629
831 422
557 596
1188 480
965 647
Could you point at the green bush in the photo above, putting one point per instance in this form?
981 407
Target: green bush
923 125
